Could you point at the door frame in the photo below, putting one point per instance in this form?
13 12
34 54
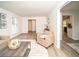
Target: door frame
59 24
35 24
71 18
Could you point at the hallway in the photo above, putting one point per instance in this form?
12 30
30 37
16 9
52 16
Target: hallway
70 44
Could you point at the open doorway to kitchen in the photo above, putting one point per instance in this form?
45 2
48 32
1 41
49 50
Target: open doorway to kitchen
67 26
70 29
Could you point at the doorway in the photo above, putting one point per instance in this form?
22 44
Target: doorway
67 26
32 25
70 20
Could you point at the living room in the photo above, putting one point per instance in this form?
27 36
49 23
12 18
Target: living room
16 26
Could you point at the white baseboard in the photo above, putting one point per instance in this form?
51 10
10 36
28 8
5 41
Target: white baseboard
75 38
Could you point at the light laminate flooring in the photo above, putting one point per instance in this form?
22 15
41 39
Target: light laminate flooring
52 51
22 51
31 35
64 51
70 46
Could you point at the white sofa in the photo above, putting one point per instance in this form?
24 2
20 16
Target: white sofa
45 39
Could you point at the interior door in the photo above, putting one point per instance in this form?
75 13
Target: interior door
32 25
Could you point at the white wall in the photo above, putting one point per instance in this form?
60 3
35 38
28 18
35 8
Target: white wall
8 30
55 23
75 23
22 24
17 29
25 25
40 24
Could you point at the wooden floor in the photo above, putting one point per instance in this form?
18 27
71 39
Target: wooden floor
22 51
30 35
70 46
69 51
64 51
52 51
69 40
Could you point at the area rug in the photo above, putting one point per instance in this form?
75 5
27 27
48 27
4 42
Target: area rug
37 50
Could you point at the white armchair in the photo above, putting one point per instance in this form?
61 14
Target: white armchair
45 39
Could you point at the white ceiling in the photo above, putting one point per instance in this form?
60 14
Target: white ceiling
72 6
29 8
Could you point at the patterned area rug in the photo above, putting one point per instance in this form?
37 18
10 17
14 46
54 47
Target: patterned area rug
37 50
